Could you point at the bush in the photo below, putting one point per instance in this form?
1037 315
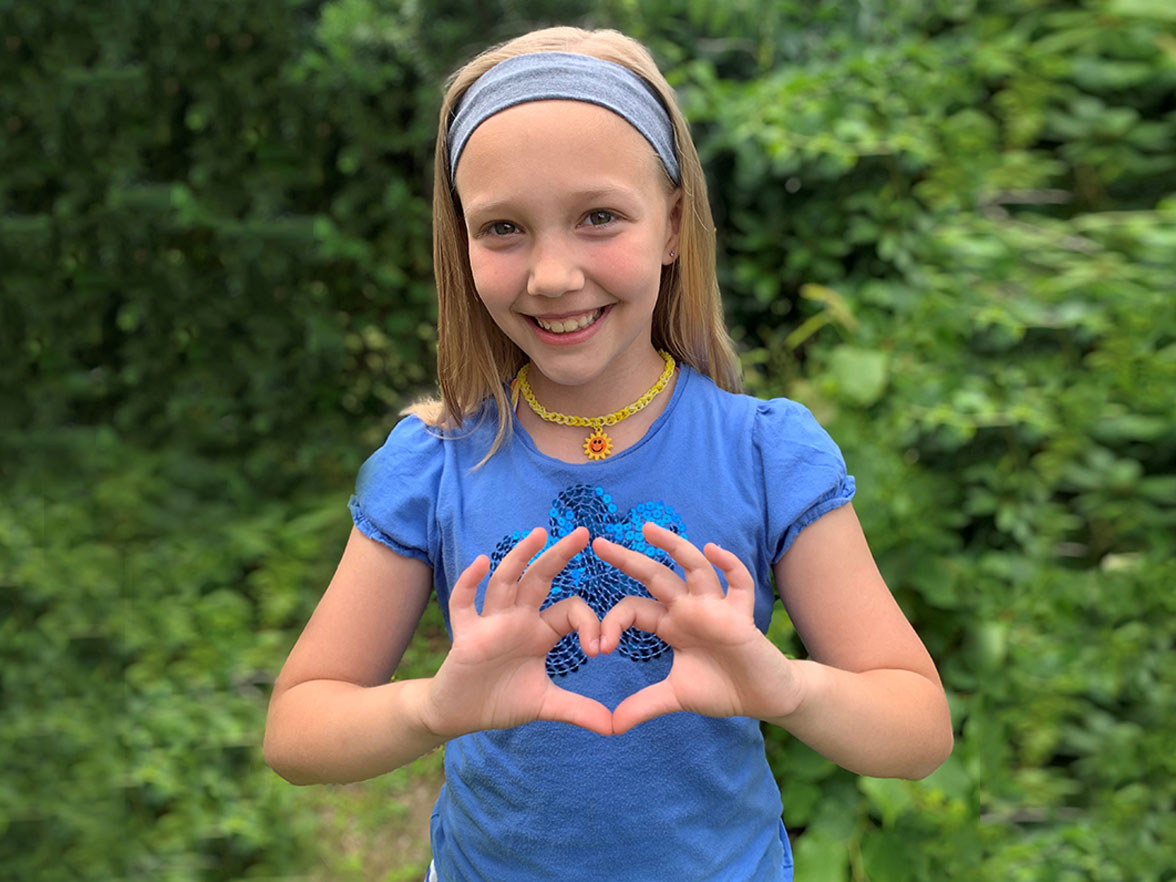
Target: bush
965 270
950 229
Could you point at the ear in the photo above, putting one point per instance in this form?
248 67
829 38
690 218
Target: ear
673 227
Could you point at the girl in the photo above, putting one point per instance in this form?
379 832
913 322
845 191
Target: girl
601 516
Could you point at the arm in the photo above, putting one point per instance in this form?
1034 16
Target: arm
334 717
870 698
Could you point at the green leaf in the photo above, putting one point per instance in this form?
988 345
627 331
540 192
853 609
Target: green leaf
891 796
860 374
887 856
1155 9
820 857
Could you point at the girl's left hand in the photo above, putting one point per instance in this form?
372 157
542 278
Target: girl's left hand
724 666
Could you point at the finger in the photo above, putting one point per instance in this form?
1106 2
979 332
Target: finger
700 575
568 707
465 589
629 612
573 614
502 591
652 701
662 582
536 581
740 584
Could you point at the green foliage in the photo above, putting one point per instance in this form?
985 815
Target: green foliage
230 205
144 616
948 228
966 271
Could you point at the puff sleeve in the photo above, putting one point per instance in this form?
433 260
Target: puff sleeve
803 471
395 499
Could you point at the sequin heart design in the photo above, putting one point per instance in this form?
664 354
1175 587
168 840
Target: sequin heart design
600 584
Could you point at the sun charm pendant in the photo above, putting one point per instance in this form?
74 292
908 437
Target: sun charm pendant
597 445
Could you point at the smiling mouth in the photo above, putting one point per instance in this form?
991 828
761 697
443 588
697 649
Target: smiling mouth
569 324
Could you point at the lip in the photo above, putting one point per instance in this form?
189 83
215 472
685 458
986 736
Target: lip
571 337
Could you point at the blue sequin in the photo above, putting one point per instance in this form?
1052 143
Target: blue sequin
600 584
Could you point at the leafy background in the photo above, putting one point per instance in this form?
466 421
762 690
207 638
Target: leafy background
947 227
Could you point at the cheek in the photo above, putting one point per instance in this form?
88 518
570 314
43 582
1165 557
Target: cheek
495 276
631 268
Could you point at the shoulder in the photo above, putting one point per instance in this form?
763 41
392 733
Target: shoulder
418 455
418 445
774 450
396 491
783 421
779 421
803 470
703 396
411 446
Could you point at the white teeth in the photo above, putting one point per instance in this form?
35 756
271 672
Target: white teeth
575 323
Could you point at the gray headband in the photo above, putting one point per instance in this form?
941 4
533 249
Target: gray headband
541 76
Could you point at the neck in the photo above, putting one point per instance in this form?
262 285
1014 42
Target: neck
601 395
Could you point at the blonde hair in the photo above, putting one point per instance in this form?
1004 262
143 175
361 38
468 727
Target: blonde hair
474 357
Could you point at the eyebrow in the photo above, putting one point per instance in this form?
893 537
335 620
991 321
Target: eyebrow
595 194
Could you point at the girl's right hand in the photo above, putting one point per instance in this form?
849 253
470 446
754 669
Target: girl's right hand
495 675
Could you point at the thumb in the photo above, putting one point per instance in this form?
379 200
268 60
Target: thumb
568 707
645 704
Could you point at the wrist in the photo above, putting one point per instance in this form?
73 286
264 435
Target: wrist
776 685
418 694
801 684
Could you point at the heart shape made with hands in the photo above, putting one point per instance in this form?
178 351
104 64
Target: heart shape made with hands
601 585
636 588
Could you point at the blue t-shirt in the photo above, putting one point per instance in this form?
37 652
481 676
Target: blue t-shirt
681 797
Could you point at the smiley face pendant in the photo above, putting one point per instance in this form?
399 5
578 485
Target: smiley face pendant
597 445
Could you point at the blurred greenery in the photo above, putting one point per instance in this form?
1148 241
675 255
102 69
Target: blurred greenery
947 227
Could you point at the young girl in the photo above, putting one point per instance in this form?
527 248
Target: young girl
601 515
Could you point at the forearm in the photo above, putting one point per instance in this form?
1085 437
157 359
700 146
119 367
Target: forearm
332 732
883 723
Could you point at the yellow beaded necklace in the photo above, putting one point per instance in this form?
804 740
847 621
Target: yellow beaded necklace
598 444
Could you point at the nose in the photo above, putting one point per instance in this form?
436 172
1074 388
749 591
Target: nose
554 269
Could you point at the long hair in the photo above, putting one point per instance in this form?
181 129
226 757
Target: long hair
474 357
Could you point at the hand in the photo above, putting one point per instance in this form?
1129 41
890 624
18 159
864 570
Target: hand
495 675
723 665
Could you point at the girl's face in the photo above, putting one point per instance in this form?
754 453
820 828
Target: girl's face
570 221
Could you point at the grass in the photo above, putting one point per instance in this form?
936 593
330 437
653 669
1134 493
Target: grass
378 830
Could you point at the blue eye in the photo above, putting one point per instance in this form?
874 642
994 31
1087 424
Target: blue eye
501 228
